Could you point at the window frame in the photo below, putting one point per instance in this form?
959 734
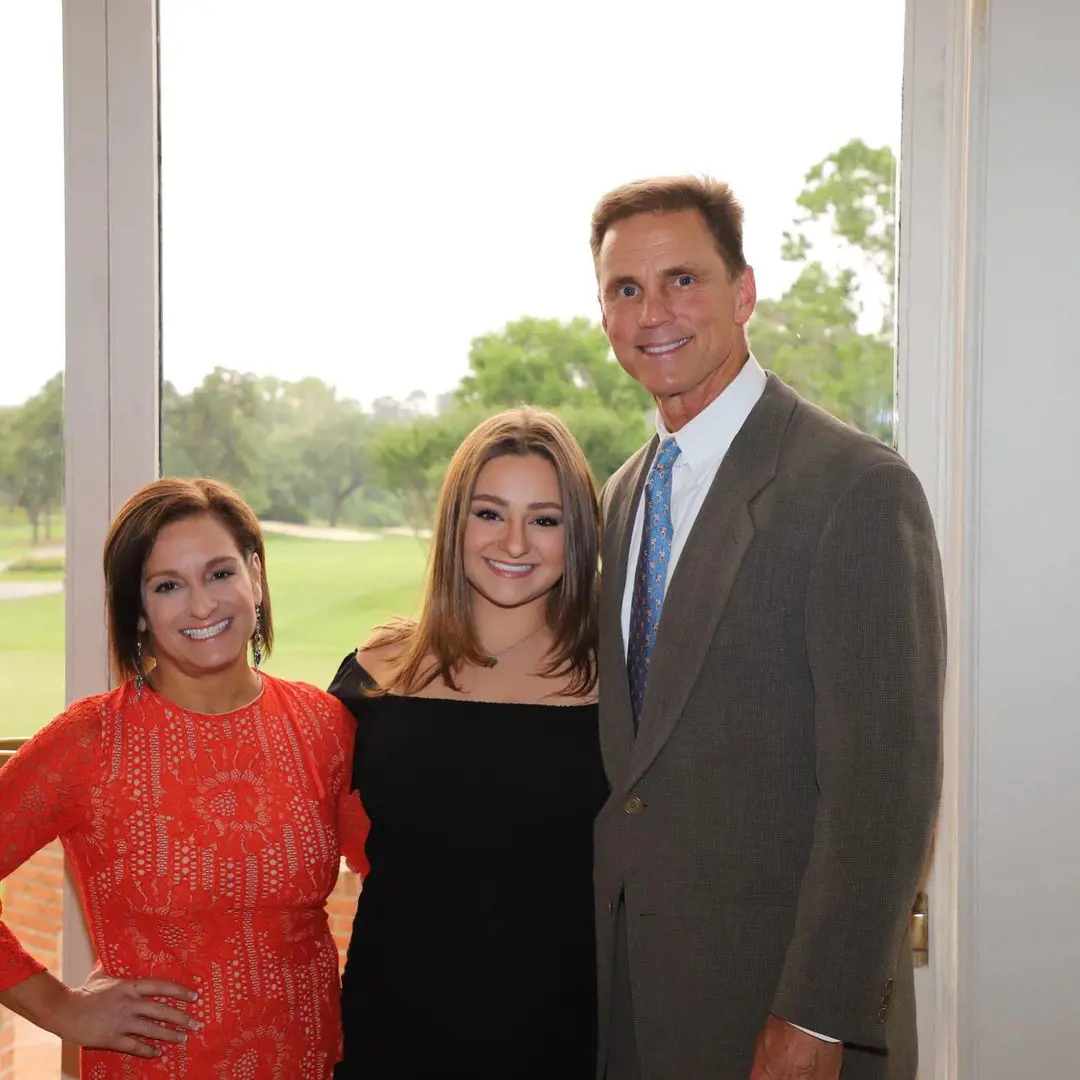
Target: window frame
113 339
113 373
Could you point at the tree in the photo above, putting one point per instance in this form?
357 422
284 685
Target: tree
32 455
606 436
810 338
294 450
852 194
296 418
336 455
412 459
811 335
218 430
390 410
548 363
564 367
567 368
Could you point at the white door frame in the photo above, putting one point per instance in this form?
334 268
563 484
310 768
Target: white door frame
940 260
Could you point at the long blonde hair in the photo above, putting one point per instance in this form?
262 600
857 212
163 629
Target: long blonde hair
444 636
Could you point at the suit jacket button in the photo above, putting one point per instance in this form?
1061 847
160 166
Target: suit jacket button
611 907
634 805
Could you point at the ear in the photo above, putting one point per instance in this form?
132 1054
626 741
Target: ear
745 296
141 624
255 566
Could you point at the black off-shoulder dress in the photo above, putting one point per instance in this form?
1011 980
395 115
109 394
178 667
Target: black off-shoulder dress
473 950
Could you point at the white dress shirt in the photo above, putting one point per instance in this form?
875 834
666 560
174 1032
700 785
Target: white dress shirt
704 442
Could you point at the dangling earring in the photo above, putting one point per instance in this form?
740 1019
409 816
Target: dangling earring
257 639
140 679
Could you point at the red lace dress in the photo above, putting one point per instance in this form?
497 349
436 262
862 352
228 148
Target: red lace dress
204 848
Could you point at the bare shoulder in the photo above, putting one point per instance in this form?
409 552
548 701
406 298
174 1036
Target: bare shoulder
377 659
565 695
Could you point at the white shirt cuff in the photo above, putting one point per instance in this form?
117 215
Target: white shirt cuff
823 1038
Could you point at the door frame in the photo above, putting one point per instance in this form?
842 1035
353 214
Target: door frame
940 262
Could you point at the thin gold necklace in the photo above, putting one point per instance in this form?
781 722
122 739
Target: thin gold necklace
492 658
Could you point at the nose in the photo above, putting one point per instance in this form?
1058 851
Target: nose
514 541
655 310
202 603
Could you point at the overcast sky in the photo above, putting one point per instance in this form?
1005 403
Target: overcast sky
355 190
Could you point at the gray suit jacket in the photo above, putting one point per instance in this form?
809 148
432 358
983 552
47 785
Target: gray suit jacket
768 824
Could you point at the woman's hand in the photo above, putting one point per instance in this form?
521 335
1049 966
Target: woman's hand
120 1014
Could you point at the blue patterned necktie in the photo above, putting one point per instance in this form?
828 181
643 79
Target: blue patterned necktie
650 578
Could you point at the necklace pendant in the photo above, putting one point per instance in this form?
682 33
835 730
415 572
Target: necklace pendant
490 661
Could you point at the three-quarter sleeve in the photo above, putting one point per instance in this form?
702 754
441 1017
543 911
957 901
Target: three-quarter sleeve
40 788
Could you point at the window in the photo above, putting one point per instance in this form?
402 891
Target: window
375 230
31 460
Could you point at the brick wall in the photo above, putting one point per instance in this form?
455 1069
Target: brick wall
33 899
342 907
7 1046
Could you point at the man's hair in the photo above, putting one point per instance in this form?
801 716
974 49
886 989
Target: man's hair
132 536
713 200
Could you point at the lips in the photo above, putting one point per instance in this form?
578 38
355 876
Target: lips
664 348
206 633
512 570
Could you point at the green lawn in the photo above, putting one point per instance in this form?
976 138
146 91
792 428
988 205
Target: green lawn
15 535
326 596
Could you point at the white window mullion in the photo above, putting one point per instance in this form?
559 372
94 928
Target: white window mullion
113 355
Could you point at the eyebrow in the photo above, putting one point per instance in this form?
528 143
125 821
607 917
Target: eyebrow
685 268
176 573
502 502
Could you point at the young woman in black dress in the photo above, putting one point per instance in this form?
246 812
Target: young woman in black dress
478 762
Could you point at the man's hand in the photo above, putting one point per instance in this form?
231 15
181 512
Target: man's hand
783 1052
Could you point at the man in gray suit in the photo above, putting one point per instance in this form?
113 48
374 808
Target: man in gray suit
771 670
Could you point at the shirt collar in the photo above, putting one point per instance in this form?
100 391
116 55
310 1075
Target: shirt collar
706 439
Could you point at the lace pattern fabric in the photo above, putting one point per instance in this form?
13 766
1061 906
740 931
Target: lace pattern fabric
203 848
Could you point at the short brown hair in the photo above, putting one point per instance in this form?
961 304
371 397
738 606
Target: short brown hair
713 200
445 628
132 536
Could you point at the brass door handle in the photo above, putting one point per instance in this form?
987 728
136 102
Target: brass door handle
920 931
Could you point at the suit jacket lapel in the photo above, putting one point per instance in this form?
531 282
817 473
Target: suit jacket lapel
705 573
616 716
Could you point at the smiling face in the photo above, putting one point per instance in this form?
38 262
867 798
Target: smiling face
673 315
514 542
199 598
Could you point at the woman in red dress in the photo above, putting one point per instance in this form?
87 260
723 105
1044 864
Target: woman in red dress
203 806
